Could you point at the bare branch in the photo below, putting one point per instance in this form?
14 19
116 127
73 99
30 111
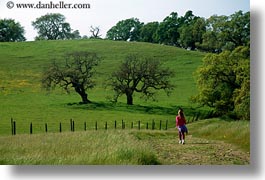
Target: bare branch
77 73
95 32
142 75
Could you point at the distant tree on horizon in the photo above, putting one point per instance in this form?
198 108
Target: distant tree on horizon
95 32
226 32
214 34
52 26
11 31
75 35
125 30
148 32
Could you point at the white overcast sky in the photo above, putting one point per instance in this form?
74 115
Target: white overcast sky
106 13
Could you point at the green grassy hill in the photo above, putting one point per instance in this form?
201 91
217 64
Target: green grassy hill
21 96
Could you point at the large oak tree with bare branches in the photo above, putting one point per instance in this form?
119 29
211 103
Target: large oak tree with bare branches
77 73
141 75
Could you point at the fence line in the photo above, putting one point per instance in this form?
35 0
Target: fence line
195 117
96 127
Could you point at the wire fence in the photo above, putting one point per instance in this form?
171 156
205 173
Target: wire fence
98 125
72 125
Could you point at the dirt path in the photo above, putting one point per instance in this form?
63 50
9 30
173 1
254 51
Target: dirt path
197 151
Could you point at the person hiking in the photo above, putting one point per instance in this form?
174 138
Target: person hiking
181 125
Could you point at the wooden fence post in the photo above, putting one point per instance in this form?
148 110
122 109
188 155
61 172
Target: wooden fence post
73 126
153 124
160 125
139 125
85 126
96 125
14 126
60 127
31 128
115 124
46 127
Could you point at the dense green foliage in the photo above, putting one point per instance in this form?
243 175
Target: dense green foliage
53 26
148 32
11 31
215 34
125 30
226 32
223 82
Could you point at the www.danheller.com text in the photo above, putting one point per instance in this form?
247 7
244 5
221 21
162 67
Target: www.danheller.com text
50 5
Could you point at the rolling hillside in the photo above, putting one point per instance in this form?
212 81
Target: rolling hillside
23 100
21 96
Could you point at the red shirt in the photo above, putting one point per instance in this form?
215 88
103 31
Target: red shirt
180 121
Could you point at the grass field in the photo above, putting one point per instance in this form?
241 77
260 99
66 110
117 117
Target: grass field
21 96
213 141
206 145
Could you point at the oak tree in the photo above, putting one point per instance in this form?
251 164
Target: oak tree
95 32
140 75
77 72
52 27
223 82
11 31
125 30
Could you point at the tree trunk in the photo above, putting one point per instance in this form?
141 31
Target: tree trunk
83 94
84 98
129 98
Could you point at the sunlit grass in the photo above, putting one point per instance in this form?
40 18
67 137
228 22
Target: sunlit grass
234 132
206 145
94 147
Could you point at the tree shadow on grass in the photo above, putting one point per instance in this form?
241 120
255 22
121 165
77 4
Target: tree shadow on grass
158 110
108 106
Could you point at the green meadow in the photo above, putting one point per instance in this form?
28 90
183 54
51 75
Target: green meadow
23 99
211 141
206 144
